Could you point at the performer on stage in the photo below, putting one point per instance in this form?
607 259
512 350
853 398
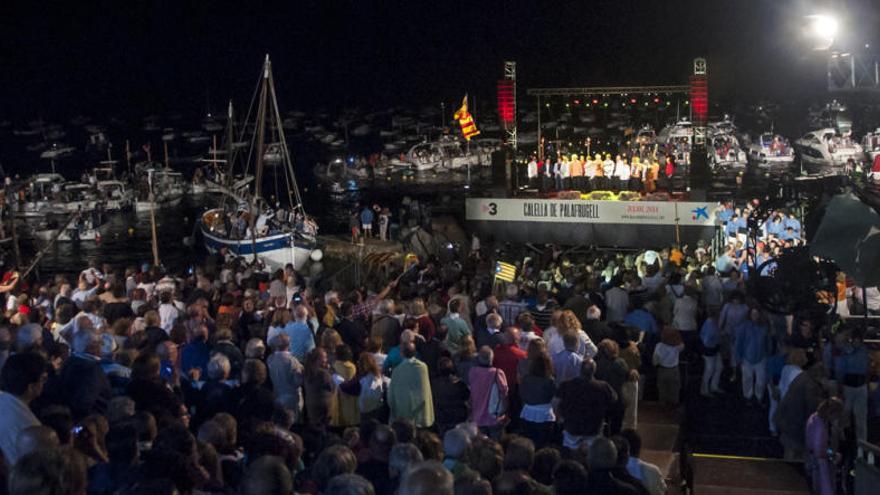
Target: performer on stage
577 173
636 172
623 175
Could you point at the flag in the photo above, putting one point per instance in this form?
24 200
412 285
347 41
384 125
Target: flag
468 126
505 271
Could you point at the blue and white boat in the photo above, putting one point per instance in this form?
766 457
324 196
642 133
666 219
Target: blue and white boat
245 224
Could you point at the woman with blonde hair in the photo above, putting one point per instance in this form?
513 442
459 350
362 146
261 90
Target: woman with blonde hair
570 324
373 384
465 358
346 412
419 312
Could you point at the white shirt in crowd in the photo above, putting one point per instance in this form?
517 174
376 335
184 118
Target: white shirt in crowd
16 417
684 313
667 355
649 474
533 169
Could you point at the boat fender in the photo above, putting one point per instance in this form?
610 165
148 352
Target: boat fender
316 255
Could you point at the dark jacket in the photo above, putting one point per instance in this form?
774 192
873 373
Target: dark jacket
387 327
450 396
154 396
84 387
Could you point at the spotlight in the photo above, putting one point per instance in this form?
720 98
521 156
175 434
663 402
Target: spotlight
820 31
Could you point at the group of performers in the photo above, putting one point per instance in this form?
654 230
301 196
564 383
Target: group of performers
580 173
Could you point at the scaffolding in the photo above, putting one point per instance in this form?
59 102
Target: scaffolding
599 91
510 75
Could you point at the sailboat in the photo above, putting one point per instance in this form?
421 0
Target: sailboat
245 224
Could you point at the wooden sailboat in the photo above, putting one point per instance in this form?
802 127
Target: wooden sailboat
288 241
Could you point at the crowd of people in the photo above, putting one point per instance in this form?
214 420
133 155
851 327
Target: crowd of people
441 381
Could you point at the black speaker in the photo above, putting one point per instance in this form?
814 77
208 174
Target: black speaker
699 173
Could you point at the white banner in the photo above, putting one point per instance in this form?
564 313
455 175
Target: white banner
687 213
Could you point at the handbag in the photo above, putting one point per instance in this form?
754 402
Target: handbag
497 403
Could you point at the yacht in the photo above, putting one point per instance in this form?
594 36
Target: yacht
871 145
167 188
826 151
771 151
725 152
447 152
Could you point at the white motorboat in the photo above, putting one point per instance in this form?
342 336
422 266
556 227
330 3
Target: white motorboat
247 227
57 152
73 233
678 140
771 151
827 151
361 130
447 152
871 145
725 152
167 188
115 195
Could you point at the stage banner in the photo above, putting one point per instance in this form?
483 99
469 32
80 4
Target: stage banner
689 213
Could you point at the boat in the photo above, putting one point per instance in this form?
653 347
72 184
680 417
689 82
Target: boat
771 151
826 151
725 152
871 145
72 233
245 225
114 194
57 152
447 152
167 187
678 140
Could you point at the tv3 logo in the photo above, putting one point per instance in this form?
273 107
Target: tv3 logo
491 208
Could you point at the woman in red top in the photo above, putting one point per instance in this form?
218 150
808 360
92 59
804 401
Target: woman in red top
670 167
426 324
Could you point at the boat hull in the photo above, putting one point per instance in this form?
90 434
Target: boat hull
274 251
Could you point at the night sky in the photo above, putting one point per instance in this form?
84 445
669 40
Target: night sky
136 58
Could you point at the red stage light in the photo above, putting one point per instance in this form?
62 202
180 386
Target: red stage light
632 100
656 100
595 101
699 99
506 102
577 102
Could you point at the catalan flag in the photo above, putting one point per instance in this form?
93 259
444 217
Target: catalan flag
466 121
505 271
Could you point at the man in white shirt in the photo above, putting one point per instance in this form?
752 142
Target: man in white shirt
565 172
649 474
616 302
623 174
22 380
532 173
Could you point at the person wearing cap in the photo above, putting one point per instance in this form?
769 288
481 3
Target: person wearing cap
666 358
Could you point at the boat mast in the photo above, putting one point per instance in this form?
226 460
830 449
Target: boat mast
261 136
230 137
292 189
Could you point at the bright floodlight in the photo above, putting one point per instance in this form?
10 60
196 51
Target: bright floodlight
821 30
